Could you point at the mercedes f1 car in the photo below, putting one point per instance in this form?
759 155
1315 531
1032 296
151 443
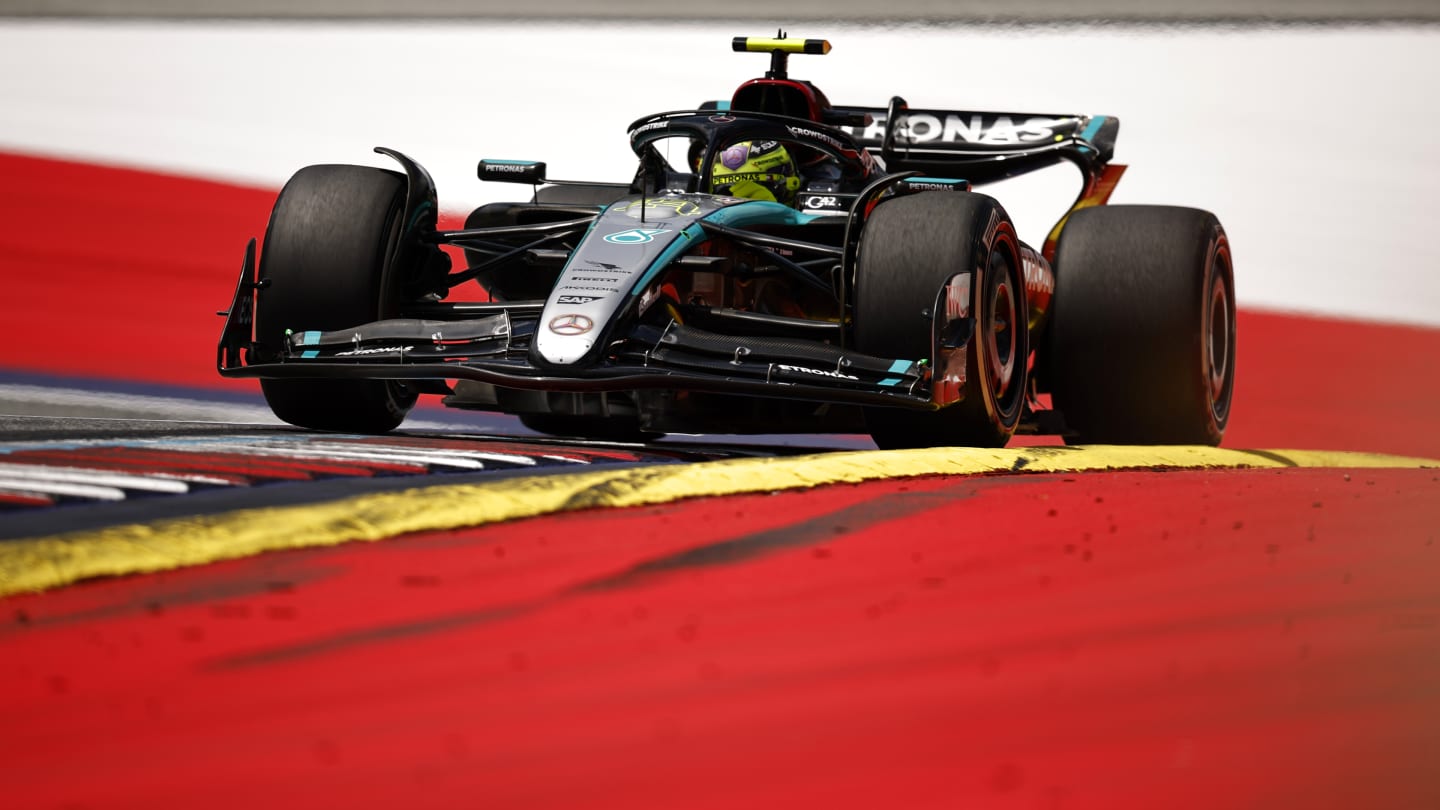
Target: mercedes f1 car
776 264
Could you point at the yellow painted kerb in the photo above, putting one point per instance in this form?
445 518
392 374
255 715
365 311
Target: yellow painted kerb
35 564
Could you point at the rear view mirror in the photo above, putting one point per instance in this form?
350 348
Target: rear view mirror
528 172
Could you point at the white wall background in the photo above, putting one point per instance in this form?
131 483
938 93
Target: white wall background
1318 147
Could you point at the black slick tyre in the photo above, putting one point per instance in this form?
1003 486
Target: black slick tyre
1141 338
910 249
327 263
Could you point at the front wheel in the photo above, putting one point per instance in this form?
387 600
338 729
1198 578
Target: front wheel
910 249
327 264
1141 338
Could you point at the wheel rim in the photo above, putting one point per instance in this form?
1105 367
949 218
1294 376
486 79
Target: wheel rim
1217 338
1000 337
1219 341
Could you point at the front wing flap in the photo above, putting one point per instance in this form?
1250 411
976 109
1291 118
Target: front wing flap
408 338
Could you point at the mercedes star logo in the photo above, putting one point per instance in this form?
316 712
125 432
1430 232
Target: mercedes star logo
571 325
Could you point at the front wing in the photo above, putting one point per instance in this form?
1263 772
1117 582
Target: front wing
490 343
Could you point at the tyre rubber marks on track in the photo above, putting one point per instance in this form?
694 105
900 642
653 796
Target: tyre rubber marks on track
47 473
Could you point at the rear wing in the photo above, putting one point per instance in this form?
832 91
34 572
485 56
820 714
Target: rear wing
981 146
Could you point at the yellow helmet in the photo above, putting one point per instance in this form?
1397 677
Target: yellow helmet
759 170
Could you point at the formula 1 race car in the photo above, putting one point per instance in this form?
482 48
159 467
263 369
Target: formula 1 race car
777 264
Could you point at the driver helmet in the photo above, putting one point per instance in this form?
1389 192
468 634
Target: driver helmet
759 170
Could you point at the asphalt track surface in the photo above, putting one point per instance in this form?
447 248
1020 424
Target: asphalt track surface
1245 637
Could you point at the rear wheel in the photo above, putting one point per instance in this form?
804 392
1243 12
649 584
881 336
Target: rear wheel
327 264
1141 338
910 249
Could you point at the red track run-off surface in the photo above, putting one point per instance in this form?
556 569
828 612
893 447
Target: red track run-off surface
1240 638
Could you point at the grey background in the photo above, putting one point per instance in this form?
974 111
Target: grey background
1028 11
